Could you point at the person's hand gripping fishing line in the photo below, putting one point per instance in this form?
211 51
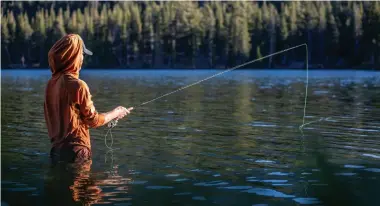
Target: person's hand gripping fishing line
116 114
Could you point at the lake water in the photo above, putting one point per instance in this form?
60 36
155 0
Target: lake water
231 140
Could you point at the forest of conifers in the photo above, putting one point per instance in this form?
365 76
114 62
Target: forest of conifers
195 34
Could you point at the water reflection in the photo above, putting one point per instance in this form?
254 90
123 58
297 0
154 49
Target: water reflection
72 184
76 184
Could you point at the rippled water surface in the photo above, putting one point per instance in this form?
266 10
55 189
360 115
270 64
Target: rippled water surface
231 140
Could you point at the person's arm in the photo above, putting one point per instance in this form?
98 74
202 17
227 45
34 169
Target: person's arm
108 116
89 114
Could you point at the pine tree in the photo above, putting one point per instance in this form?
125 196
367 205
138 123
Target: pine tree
220 31
245 39
89 23
5 36
168 20
256 29
270 17
322 24
156 9
332 35
40 35
52 16
25 31
81 22
12 24
148 35
103 15
357 13
240 35
284 29
228 48
311 22
72 26
66 15
125 33
189 24
94 12
136 29
56 29
39 24
293 18
6 39
208 23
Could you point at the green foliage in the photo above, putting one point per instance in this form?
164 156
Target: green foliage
322 17
357 13
224 32
5 36
284 25
39 24
25 31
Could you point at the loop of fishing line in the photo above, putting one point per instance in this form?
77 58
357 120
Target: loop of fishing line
110 125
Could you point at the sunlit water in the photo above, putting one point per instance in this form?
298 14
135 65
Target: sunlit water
231 140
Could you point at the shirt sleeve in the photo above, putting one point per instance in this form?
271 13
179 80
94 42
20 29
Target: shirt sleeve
87 109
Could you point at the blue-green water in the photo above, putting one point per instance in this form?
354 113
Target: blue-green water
231 140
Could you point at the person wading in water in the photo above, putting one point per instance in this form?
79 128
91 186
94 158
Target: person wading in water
68 108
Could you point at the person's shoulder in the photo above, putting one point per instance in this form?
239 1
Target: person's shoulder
77 83
82 84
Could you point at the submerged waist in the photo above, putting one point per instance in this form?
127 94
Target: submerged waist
70 141
70 153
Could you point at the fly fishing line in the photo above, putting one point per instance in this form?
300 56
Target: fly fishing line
113 123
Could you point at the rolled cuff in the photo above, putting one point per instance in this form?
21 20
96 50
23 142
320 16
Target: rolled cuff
99 121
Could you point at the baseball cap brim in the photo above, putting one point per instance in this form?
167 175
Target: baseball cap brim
86 51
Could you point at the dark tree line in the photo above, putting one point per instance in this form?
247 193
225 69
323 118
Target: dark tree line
195 34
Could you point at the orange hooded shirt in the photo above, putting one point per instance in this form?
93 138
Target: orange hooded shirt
69 110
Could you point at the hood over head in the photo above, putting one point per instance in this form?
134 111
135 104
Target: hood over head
66 55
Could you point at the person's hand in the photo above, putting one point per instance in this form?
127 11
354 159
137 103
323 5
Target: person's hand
121 112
